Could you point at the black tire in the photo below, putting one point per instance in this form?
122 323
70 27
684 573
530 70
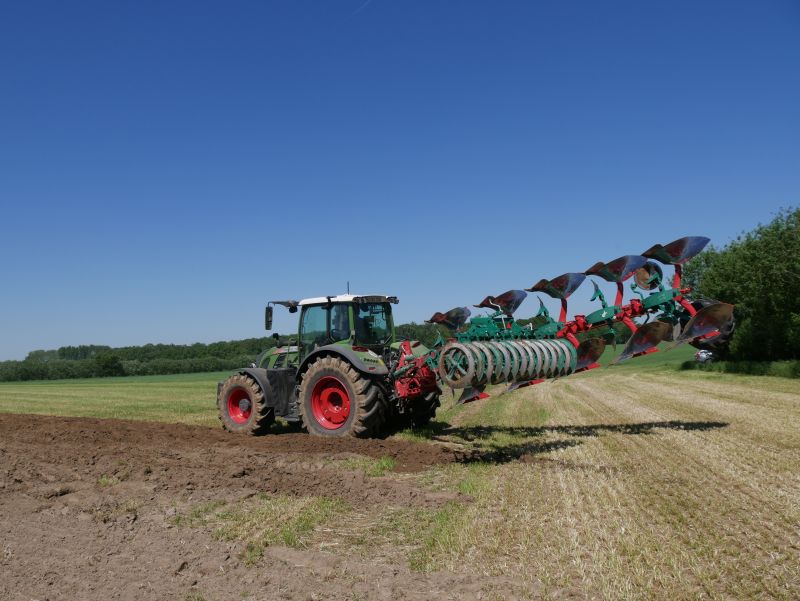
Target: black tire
717 344
424 410
340 383
242 406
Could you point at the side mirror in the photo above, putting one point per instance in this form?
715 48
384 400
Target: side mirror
268 318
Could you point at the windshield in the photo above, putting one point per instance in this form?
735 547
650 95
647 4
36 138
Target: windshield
373 323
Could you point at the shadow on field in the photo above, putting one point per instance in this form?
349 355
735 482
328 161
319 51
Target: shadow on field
478 432
491 446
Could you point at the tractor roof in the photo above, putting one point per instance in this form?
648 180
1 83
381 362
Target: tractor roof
349 298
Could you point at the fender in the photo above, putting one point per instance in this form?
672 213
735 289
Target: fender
278 386
347 353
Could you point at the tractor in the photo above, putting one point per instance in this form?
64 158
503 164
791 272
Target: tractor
345 376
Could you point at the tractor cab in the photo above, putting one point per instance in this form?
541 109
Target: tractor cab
361 322
347 319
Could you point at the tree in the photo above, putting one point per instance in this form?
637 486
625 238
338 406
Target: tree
759 272
42 356
109 364
426 333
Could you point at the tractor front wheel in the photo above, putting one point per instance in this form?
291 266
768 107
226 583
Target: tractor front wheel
242 407
336 400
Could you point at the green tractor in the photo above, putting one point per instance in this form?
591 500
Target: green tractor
345 376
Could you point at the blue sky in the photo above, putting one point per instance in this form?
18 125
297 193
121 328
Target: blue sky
168 167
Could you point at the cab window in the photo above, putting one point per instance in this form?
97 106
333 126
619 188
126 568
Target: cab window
373 323
340 323
313 327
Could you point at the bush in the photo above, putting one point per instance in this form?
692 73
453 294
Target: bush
778 369
15 371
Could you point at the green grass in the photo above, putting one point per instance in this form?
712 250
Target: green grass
429 533
370 466
184 398
106 480
199 515
264 520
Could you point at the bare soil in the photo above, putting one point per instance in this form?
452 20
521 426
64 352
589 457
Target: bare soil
87 511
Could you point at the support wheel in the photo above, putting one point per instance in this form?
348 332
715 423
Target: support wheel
336 400
242 407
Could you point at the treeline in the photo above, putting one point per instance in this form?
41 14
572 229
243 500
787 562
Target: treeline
94 361
110 365
759 273
149 352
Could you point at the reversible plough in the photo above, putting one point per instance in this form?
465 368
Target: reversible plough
494 348
347 375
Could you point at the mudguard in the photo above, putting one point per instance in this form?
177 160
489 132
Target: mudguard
278 386
364 362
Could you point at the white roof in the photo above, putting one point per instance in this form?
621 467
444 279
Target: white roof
342 298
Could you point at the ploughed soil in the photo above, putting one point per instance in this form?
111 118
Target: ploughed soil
66 531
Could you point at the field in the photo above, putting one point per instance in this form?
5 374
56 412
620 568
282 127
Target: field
634 482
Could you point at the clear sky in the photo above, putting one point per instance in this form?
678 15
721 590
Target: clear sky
168 167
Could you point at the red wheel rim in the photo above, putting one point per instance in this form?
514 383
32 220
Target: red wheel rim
330 403
240 406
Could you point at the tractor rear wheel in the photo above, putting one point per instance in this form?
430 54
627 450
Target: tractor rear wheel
336 400
242 406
